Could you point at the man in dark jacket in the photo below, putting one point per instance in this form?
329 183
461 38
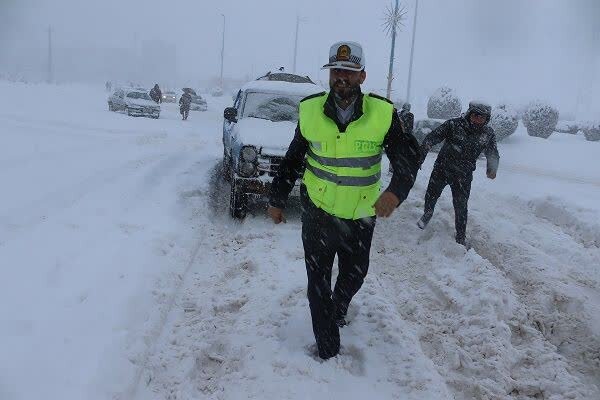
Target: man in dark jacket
407 118
156 94
408 122
465 138
185 102
340 138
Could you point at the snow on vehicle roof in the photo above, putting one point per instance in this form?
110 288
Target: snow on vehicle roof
305 89
134 89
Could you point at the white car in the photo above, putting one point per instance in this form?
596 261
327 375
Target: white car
216 92
135 102
169 96
257 132
198 103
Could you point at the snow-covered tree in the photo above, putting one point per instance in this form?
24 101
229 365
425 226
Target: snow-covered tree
540 119
444 104
504 121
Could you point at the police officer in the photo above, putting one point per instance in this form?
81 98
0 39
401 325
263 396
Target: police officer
465 138
342 134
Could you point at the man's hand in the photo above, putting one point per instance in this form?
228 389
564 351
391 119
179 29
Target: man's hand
276 214
491 174
386 204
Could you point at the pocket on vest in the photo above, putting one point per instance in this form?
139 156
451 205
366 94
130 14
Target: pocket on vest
364 205
320 195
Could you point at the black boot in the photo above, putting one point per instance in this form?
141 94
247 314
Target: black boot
422 223
339 317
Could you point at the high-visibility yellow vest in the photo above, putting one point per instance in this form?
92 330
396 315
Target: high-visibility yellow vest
343 170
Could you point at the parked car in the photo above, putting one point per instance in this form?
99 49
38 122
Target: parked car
135 102
198 103
169 97
257 131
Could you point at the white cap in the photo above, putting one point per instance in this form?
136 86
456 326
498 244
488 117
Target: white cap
346 55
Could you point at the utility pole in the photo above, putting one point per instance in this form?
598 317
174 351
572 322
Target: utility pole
391 67
393 20
222 51
412 52
296 43
50 72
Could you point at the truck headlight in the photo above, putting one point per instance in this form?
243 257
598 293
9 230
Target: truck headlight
247 169
249 154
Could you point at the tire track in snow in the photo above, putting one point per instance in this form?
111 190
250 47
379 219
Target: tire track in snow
195 340
198 339
131 391
152 339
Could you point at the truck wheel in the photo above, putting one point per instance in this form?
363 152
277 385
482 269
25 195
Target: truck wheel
227 170
238 202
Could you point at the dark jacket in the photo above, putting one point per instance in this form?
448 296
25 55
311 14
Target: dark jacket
463 145
185 101
401 148
156 94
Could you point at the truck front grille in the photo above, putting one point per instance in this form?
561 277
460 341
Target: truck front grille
268 165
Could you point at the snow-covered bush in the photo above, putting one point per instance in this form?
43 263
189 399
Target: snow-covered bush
504 121
591 130
540 119
570 127
444 104
423 127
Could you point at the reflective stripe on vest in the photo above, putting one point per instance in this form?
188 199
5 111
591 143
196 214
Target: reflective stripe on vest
344 180
355 162
343 169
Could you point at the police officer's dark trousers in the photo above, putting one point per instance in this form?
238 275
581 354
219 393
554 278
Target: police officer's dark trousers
460 184
324 236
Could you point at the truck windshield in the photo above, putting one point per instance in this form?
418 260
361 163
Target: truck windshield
274 107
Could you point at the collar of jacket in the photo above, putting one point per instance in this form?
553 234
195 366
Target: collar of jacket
330 110
470 129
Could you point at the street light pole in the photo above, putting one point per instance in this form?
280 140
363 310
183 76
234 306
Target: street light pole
412 52
296 43
393 20
222 51
50 72
391 67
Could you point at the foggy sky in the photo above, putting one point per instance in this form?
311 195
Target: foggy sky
511 50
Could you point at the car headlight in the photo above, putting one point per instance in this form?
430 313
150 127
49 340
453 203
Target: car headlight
249 154
247 169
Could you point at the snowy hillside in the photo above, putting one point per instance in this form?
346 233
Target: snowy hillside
123 277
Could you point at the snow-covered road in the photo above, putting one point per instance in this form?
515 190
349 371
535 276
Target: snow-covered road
122 276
